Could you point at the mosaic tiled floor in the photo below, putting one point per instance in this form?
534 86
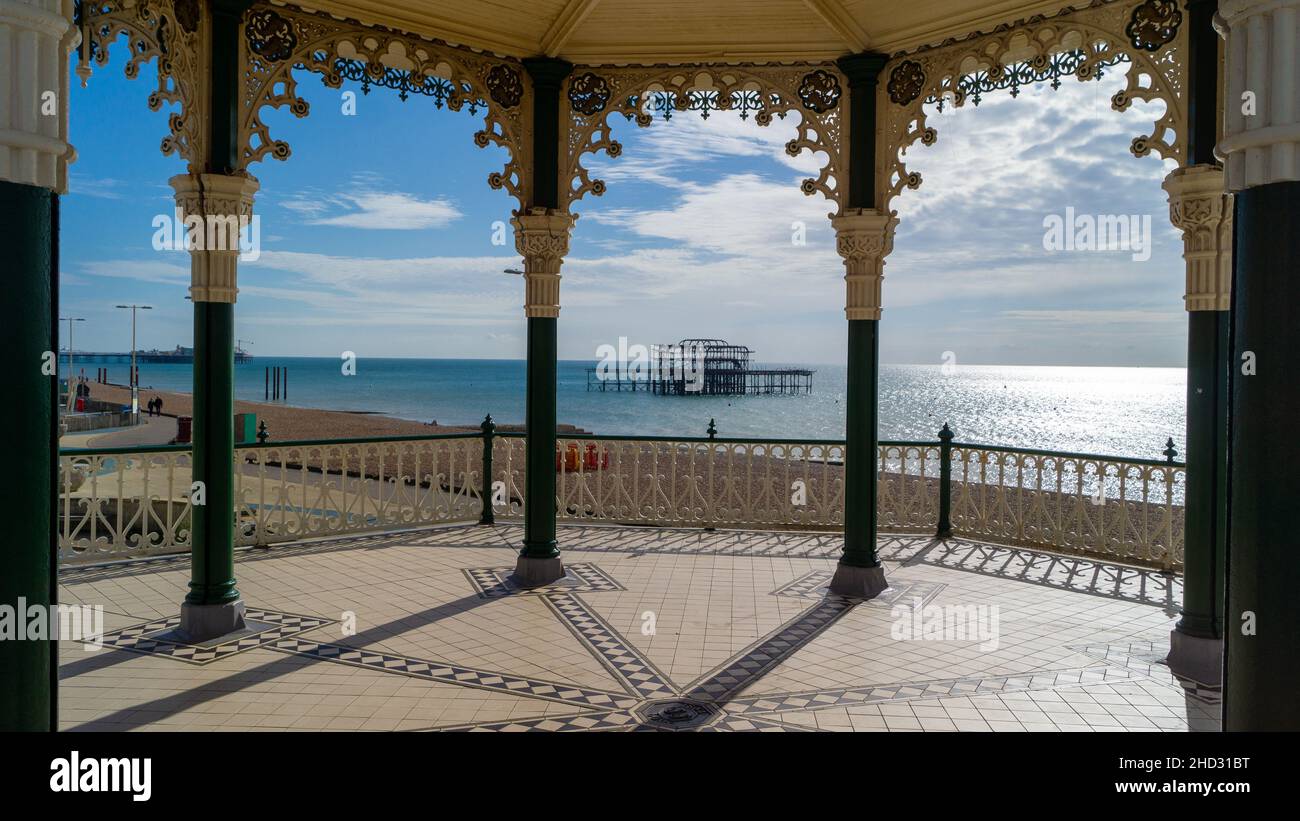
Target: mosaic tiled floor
650 630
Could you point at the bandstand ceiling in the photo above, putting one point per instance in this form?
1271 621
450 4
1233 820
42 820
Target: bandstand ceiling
688 31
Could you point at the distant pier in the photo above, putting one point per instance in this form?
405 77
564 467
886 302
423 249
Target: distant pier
180 356
703 367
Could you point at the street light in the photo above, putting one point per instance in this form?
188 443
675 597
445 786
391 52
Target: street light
71 392
135 388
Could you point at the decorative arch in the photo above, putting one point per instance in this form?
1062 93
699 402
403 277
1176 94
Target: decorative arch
169 31
818 92
277 39
1148 35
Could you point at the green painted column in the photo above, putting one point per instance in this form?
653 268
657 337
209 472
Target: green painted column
1200 209
862 417
34 155
539 517
1208 355
1260 147
1262 618
213 606
541 237
29 235
863 238
212 577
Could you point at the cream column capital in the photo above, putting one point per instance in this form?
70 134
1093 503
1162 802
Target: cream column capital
864 237
36 39
213 208
1199 207
1261 129
542 239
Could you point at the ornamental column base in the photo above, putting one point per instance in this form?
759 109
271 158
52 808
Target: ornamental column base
531 571
203 622
858 582
1196 658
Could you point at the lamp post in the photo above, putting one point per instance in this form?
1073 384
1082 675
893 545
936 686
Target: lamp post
135 388
71 392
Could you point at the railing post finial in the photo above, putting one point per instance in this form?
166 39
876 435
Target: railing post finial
713 429
1170 451
262 434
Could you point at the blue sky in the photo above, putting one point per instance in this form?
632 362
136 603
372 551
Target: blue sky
377 237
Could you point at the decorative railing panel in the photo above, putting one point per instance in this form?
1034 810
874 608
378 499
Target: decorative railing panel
128 503
907 496
710 482
303 490
1125 510
115 504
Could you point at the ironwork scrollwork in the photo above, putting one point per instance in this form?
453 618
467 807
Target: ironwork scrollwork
187 15
819 91
640 94
1147 35
589 93
270 35
504 85
277 41
905 82
168 30
1153 24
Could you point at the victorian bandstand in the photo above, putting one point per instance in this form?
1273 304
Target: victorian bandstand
554 82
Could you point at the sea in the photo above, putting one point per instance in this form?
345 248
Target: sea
1113 411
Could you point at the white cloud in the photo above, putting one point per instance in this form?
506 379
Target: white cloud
372 208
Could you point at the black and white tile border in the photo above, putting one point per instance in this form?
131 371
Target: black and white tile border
579 577
816 585
155 637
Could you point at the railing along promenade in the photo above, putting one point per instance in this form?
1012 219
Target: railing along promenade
118 503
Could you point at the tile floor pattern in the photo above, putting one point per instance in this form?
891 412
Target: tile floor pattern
652 629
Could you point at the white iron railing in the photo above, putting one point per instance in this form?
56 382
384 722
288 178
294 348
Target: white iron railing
1124 510
116 504
714 483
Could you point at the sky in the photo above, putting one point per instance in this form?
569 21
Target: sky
377 237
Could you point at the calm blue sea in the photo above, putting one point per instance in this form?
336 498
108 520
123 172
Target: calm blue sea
1113 411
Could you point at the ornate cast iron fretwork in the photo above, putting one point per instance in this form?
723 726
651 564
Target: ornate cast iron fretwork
170 32
702 102
278 41
187 15
589 93
269 35
639 94
819 91
905 82
1013 77
1081 42
1153 24
504 85
442 91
